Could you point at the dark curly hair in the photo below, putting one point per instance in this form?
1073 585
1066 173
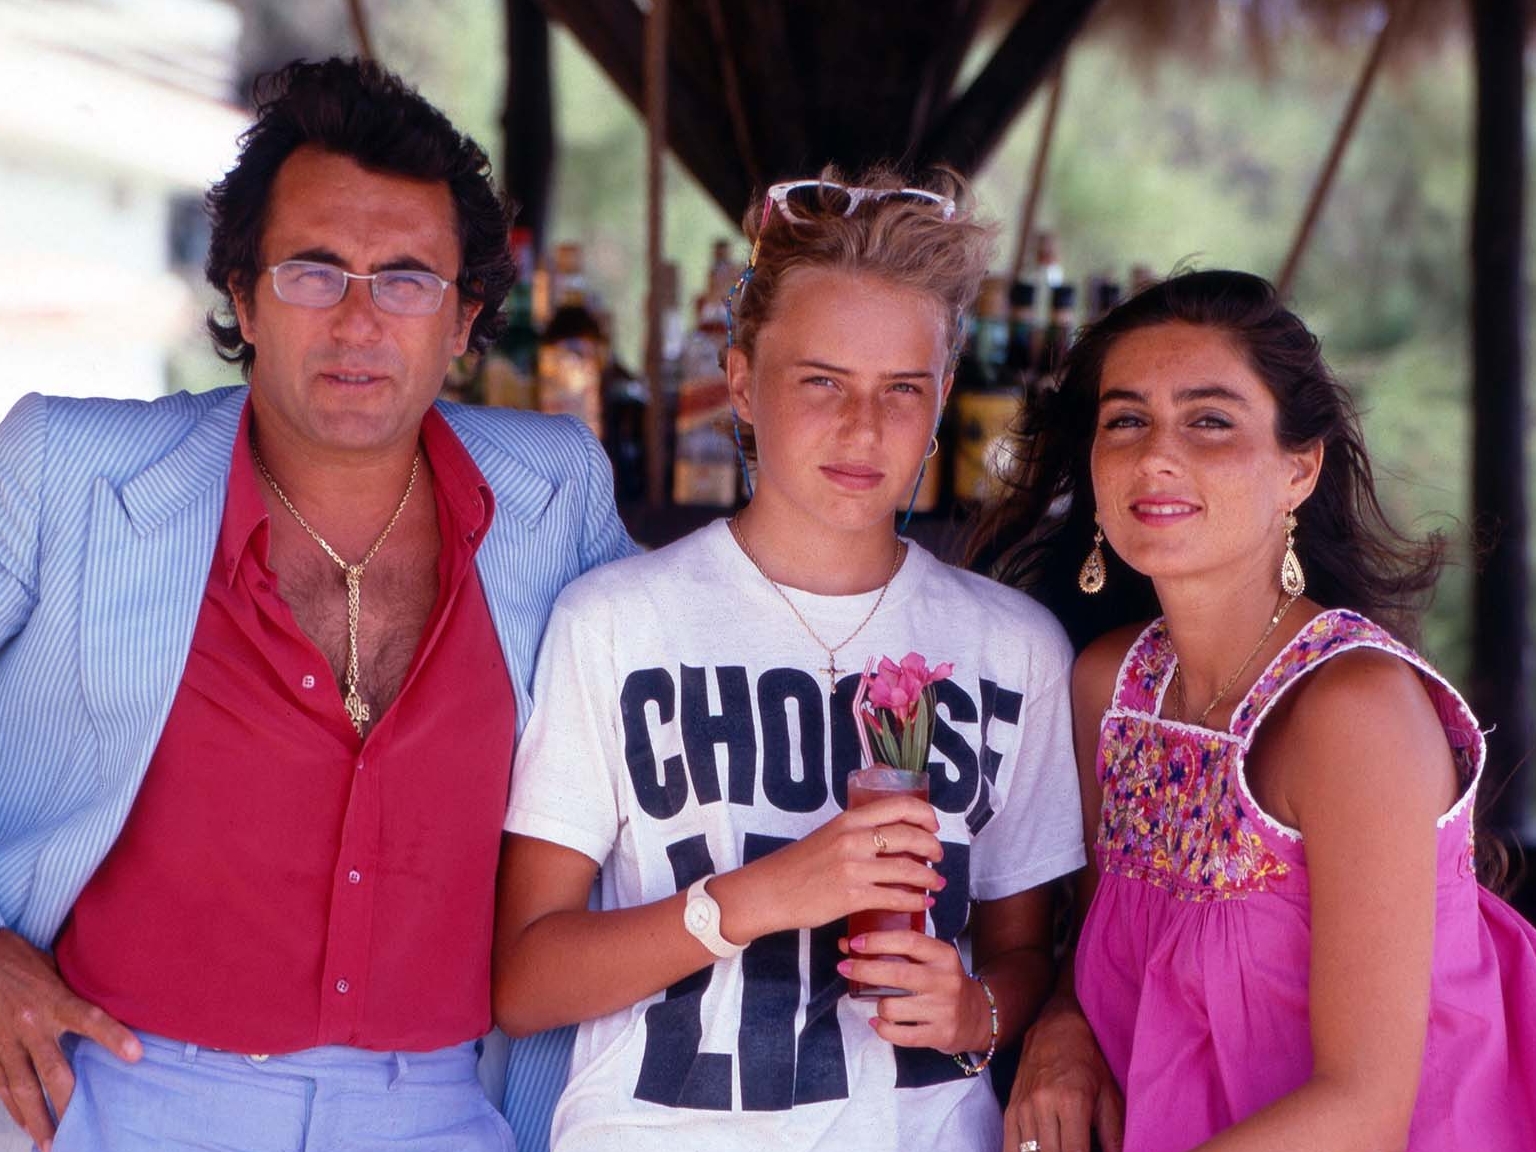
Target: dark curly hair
1038 533
360 110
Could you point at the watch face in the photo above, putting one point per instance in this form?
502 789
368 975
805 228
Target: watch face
697 916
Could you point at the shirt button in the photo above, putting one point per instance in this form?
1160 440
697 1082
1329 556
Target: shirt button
354 877
343 987
359 764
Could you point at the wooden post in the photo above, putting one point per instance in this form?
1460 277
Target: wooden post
527 119
1503 691
1037 176
1341 138
359 20
655 155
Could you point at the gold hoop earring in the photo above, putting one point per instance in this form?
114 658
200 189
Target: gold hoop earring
1293 581
1091 576
933 447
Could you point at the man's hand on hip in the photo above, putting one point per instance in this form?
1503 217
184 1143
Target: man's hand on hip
36 1008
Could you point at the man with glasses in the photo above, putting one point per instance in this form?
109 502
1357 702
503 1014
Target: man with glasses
264 654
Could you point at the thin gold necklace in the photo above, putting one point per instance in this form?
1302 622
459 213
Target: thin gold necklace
830 649
1282 606
356 706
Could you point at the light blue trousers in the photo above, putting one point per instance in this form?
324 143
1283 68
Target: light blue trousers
180 1097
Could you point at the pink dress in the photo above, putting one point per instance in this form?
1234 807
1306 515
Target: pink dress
1193 963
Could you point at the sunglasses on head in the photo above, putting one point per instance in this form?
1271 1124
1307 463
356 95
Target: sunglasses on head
819 197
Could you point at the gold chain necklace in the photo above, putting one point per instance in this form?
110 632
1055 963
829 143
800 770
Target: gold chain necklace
831 649
356 706
1178 673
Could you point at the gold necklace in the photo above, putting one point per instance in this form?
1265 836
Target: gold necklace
1178 673
356 706
830 649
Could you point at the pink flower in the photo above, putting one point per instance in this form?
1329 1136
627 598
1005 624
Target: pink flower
895 707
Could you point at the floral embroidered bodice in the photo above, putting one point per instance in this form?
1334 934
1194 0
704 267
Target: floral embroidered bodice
1194 963
1177 809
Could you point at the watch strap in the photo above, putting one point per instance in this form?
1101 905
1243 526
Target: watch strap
701 916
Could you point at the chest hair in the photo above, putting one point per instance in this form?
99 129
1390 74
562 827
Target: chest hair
398 590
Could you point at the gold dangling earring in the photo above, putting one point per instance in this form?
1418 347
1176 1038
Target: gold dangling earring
1091 576
1293 581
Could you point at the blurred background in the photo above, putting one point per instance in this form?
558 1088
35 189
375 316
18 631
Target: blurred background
1140 135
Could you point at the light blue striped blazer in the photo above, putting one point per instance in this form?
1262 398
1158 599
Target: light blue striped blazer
109 514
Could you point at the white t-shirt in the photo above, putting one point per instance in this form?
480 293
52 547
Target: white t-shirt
682 728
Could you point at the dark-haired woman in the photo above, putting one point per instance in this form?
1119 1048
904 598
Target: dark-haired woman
1287 946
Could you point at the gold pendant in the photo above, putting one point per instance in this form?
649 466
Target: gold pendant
357 710
1091 578
1292 580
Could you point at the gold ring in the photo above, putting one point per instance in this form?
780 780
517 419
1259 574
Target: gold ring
880 842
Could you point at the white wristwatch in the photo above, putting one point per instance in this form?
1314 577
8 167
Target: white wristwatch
701 916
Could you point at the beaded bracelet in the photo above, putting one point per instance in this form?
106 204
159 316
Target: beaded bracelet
965 1061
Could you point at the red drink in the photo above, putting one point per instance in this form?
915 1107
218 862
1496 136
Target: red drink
865 786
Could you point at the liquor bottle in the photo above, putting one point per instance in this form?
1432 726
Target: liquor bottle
990 335
1023 335
704 468
626 399
1059 332
570 354
723 267
568 284
1048 274
986 407
1106 296
509 368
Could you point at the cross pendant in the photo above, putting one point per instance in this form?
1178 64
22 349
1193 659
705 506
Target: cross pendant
831 670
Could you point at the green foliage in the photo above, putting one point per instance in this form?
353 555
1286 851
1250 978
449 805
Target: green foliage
1208 163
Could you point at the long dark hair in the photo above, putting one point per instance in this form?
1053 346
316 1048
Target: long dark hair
1039 532
357 109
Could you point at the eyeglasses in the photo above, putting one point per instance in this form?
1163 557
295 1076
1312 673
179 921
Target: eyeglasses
827 196
402 291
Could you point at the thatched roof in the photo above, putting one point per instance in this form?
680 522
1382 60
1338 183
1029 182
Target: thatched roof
762 88
1154 29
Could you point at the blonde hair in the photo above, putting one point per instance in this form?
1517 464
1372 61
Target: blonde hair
903 240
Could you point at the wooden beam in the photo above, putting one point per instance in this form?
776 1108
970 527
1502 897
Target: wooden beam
613 33
974 124
1502 687
730 82
1037 180
527 119
1396 15
941 66
774 93
359 21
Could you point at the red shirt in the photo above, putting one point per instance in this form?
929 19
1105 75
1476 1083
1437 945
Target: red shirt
280 883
